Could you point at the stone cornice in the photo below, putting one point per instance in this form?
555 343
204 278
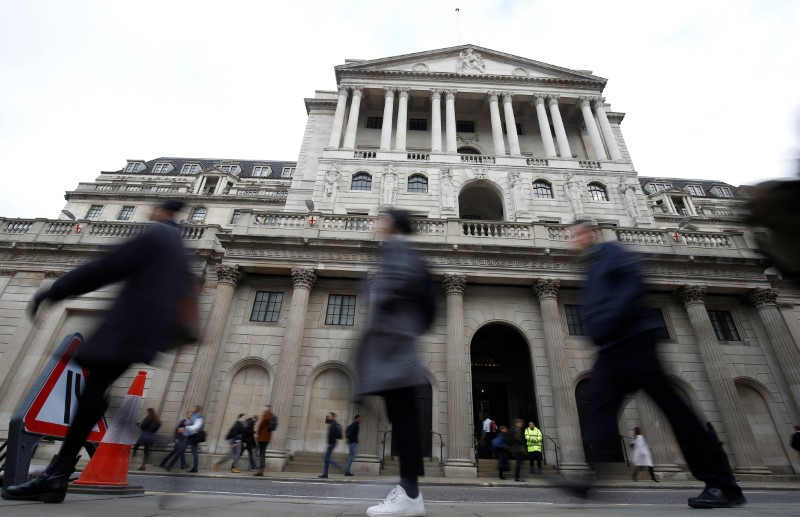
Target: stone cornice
188 197
465 78
320 104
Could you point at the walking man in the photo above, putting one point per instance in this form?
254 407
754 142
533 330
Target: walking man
249 440
266 425
234 438
352 443
177 445
194 433
143 320
622 329
516 447
334 433
533 439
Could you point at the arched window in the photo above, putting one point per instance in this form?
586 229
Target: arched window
418 183
361 181
199 214
597 192
542 189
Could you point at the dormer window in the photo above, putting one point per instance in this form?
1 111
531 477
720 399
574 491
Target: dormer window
287 172
262 171
161 168
695 190
723 191
132 167
231 169
190 168
658 187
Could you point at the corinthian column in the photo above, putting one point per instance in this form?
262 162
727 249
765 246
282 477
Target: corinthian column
208 355
497 129
544 127
591 127
402 120
352 120
605 126
567 423
386 129
780 337
450 113
436 121
460 461
338 118
511 125
740 436
558 125
286 377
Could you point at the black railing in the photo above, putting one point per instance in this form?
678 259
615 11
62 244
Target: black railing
623 439
556 446
383 448
441 449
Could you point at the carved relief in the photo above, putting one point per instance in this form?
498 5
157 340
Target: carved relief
436 94
574 189
480 174
468 139
229 274
454 283
552 100
332 183
692 294
447 196
303 278
420 67
584 101
546 288
628 191
517 192
469 60
450 94
492 96
520 72
762 297
538 99
388 92
389 186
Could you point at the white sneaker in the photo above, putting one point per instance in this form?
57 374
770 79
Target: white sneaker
398 504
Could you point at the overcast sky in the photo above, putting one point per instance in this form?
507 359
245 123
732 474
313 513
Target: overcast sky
711 89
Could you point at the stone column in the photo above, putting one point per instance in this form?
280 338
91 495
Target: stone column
338 118
780 337
402 120
567 423
286 377
497 127
352 120
591 127
460 461
740 436
511 126
558 125
605 126
436 121
544 126
386 128
655 427
208 354
450 114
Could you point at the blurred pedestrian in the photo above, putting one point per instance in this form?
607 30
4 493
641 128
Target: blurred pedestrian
402 307
249 441
623 332
334 434
144 320
641 455
533 440
234 438
517 447
149 426
266 425
194 434
351 433
499 445
177 443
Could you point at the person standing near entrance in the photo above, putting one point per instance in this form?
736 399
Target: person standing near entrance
623 332
641 455
403 306
352 443
334 433
517 448
533 439
266 425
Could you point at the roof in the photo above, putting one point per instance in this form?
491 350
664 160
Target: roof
246 166
681 183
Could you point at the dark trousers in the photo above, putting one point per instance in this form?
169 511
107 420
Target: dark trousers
520 459
502 460
187 442
91 405
262 455
406 418
251 453
627 368
535 457
177 453
328 461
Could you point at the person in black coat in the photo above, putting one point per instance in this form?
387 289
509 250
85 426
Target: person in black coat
617 320
178 446
334 433
351 433
249 440
149 427
154 273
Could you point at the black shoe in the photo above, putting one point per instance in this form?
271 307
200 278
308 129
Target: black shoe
49 487
348 474
323 476
711 498
192 470
520 480
736 496
502 476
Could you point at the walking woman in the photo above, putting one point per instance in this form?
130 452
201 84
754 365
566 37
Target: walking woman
149 427
641 455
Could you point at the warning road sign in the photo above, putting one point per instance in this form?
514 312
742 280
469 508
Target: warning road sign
53 407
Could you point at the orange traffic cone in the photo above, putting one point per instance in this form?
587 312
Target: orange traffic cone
109 464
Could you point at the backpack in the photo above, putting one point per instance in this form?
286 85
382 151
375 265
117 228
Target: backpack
232 433
273 423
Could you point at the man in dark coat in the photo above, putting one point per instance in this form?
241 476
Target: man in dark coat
351 433
334 434
178 446
617 320
517 447
402 308
154 273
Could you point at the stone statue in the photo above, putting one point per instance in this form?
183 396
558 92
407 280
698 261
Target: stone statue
389 186
629 198
470 60
574 195
332 178
447 196
517 192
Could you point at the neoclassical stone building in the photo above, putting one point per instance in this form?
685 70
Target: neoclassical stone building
493 154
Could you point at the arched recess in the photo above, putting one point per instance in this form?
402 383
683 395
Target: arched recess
468 149
247 389
759 408
481 200
330 388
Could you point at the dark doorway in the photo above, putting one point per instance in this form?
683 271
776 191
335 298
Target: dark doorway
502 379
424 402
615 453
479 201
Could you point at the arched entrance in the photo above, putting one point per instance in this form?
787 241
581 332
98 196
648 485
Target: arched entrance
480 202
502 378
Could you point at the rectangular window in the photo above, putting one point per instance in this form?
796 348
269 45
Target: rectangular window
190 168
341 310
722 321
696 190
262 171
126 213
374 122
94 211
662 332
287 172
574 320
235 217
465 126
518 126
161 168
417 124
131 167
724 192
658 187
233 169
267 306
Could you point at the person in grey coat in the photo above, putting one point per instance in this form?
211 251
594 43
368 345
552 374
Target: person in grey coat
402 307
154 273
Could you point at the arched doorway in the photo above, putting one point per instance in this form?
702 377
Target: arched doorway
330 391
614 453
480 202
502 378
768 439
468 150
249 391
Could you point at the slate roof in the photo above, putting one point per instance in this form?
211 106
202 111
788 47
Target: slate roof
246 166
681 183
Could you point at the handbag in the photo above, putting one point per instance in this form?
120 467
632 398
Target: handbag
199 436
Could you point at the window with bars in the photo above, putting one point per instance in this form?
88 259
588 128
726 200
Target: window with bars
662 332
597 192
126 213
267 306
417 124
574 320
287 172
94 211
132 167
199 214
190 168
722 321
161 168
341 310
542 189
465 126
696 190
361 181
374 122
235 217
261 171
418 183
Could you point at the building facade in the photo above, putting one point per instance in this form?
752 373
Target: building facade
493 154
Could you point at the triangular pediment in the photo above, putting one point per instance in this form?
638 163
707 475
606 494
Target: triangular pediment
467 60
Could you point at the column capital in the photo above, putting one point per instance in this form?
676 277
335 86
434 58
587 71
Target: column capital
343 90
552 100
492 96
436 94
227 274
454 283
388 92
507 96
539 98
584 100
545 288
762 297
403 92
691 294
303 278
599 102
358 91
450 94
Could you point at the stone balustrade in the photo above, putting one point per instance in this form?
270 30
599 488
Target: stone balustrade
558 233
18 226
706 240
279 220
642 237
588 164
538 162
476 158
60 227
365 154
429 227
124 230
348 223
418 156
499 230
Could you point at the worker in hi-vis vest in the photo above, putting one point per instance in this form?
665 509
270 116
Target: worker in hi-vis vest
533 437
